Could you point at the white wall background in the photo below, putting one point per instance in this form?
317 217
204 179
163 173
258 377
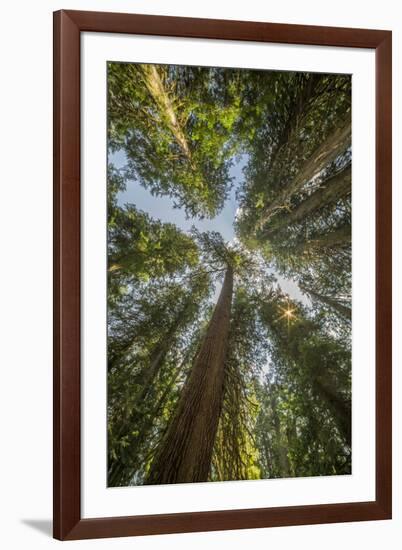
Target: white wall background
26 272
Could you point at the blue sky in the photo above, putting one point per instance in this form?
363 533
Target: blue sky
162 208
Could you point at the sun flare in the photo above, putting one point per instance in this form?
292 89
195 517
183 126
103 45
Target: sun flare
288 313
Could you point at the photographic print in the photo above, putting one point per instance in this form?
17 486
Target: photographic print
229 274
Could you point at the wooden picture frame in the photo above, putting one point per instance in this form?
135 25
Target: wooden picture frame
68 523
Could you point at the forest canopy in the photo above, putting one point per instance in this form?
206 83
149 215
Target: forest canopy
229 274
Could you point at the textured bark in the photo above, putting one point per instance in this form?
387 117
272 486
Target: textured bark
330 191
339 308
185 453
328 151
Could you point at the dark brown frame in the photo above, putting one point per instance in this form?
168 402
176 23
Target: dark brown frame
68 26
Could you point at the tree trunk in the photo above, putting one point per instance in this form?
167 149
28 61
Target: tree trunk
339 308
339 408
296 111
149 373
283 459
337 238
329 150
120 474
163 345
157 90
185 453
330 191
116 467
148 376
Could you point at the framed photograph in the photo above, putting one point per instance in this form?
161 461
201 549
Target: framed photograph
222 268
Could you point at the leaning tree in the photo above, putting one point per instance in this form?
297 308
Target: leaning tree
175 127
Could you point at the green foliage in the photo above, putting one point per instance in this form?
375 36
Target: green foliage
236 453
287 371
295 211
309 379
175 125
303 111
153 335
145 249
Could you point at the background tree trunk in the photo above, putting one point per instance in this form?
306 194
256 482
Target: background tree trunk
185 452
339 237
157 90
120 474
333 303
146 378
339 408
283 459
329 150
329 192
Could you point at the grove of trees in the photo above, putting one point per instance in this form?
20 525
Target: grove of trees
214 372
